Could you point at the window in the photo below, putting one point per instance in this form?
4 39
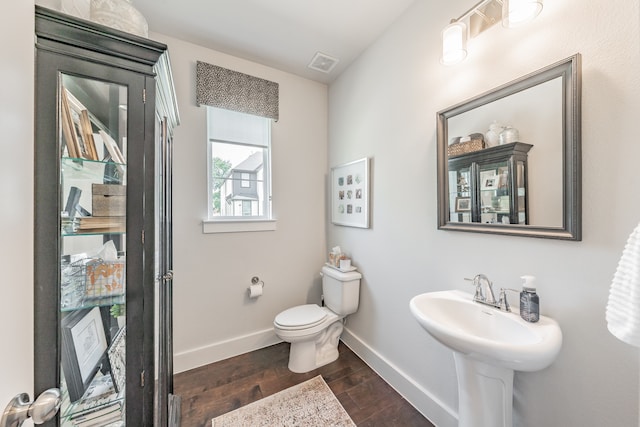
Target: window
238 166
245 180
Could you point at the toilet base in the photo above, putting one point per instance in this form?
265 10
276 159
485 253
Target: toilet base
305 356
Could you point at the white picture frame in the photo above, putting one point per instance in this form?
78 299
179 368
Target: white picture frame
350 194
488 180
112 148
117 360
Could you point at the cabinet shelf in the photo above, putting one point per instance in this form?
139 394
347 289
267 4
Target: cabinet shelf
98 170
68 305
91 233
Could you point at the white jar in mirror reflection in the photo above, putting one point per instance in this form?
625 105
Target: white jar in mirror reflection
492 137
509 135
119 14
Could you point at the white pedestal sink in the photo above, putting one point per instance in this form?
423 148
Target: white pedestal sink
488 345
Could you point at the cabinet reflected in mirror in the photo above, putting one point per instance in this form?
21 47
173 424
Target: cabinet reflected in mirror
517 151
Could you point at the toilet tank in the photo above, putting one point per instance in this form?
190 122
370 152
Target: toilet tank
341 290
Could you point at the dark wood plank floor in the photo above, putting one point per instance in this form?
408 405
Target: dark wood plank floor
220 387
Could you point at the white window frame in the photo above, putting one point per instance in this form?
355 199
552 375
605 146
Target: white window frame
230 224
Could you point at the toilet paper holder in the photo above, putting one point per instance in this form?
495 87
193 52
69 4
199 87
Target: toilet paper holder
257 285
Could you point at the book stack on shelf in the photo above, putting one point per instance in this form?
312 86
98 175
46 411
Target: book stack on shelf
69 224
109 206
101 405
101 416
101 224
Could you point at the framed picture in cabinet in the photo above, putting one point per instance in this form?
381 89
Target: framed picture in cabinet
84 345
463 204
488 180
117 360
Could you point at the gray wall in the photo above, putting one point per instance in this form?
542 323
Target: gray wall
214 318
385 107
16 189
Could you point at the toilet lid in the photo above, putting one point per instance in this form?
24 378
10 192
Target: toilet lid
303 315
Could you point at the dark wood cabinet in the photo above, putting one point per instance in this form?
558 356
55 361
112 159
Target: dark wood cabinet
96 219
490 185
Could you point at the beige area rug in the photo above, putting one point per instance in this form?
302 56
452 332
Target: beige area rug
311 403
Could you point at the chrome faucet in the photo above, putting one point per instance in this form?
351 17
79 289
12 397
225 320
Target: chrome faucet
487 296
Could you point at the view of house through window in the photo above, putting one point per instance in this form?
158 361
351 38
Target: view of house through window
239 166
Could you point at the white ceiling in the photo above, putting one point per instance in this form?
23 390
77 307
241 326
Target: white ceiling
284 34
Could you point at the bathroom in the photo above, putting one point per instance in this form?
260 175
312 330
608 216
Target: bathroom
384 107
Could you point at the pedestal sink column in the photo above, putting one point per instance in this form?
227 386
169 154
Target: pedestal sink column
485 393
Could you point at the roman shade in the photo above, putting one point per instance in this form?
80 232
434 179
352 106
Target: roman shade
223 88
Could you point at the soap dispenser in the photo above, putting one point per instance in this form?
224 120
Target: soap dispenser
529 300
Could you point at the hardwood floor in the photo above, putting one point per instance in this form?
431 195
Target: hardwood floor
220 387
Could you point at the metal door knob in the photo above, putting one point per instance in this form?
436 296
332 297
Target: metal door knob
42 410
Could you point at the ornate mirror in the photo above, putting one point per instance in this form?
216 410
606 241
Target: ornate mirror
509 160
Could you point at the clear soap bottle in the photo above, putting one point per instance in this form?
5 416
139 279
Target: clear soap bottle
529 300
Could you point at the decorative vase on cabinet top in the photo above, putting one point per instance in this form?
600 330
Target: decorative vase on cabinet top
119 14
509 135
492 137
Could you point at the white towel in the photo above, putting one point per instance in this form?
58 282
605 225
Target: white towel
623 307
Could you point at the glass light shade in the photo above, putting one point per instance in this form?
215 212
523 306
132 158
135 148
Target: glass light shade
516 12
454 43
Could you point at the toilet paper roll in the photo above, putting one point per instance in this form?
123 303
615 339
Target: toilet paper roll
255 291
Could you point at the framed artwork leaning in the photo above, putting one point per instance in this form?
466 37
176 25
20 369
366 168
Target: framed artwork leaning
84 344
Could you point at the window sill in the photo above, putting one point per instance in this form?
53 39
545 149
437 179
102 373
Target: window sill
237 226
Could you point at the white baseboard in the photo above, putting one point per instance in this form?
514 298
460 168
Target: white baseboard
221 350
428 405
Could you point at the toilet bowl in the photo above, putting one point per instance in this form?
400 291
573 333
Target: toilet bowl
314 331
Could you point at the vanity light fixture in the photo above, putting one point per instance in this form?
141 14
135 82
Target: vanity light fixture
517 12
481 16
454 43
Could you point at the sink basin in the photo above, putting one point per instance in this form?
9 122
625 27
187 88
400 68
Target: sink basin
485 333
488 346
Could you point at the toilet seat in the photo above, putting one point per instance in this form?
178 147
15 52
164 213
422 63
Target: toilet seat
300 317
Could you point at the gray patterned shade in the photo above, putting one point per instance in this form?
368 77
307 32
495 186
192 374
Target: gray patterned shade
235 91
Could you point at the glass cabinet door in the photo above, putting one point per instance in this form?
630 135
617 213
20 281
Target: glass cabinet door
460 194
92 117
94 242
495 200
521 192
489 186
94 221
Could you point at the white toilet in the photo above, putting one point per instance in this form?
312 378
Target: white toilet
314 331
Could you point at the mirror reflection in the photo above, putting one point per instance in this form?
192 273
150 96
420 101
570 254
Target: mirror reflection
509 160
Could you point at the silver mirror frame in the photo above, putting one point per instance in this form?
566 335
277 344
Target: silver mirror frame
570 71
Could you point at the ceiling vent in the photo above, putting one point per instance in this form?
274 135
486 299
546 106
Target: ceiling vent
323 63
